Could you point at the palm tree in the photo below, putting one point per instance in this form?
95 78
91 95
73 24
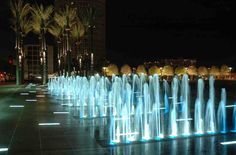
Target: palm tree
66 19
57 32
77 34
40 23
21 26
87 17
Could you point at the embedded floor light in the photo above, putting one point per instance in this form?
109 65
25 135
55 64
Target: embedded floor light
31 100
187 119
64 104
230 106
17 106
40 96
48 124
58 112
228 143
3 149
24 94
32 91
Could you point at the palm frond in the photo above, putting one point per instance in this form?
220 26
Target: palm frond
55 30
26 26
60 19
19 11
77 30
41 17
87 17
36 24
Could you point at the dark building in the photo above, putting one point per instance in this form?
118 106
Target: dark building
32 65
99 29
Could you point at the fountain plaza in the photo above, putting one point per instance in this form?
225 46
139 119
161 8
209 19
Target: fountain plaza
135 114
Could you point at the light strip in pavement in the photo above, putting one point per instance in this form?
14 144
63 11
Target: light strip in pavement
67 104
60 112
228 143
3 149
40 96
24 94
31 100
230 106
48 124
17 106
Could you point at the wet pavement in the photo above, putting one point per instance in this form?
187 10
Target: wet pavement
22 109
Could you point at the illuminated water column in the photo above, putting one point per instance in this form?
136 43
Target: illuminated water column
221 113
156 113
185 106
199 108
210 119
146 104
173 109
91 102
234 119
84 97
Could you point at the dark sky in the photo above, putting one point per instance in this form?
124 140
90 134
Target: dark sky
152 29
172 29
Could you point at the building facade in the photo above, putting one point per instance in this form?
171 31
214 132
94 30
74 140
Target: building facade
98 41
32 66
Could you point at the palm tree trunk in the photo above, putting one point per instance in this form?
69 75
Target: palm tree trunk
18 67
22 60
68 54
45 67
92 50
58 57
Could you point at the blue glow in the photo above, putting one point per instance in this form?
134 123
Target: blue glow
211 132
144 140
135 106
172 136
112 143
199 134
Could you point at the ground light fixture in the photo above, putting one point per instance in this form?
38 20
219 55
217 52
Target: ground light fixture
3 149
48 124
16 106
228 143
31 100
60 112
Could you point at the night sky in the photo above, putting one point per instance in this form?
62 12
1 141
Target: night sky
151 30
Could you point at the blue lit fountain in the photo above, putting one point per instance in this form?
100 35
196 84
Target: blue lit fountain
142 108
